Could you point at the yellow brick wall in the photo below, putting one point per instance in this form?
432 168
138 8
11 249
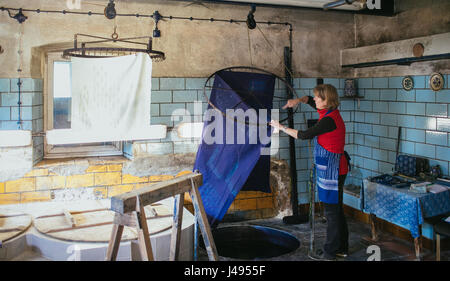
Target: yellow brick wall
107 179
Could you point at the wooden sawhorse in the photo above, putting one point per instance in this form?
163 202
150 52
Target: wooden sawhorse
129 208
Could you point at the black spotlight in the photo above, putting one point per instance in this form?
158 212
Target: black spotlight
110 10
251 23
20 17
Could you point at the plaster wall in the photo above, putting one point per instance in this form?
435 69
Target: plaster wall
192 48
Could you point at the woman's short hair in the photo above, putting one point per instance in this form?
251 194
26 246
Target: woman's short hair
329 94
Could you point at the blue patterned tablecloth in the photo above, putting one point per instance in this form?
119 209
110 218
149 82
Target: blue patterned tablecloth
403 207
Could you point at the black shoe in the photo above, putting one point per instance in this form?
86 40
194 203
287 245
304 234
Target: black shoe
342 254
320 255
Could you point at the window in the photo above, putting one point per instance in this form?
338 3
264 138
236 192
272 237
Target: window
57 113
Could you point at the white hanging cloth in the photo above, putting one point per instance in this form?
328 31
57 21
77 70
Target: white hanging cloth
110 101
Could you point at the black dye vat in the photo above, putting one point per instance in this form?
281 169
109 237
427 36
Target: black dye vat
253 242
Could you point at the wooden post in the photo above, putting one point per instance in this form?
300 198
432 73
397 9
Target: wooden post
372 219
203 223
145 248
438 247
114 242
129 208
176 227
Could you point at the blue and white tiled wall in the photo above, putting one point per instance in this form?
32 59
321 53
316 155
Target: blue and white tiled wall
422 114
371 122
31 113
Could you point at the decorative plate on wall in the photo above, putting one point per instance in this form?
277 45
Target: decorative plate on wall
436 81
408 83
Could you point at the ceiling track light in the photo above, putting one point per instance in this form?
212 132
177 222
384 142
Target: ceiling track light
110 10
251 23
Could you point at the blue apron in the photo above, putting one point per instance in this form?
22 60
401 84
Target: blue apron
327 172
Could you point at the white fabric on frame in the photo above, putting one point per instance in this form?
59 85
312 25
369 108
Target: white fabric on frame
110 100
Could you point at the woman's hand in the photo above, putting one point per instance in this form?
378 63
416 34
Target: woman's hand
276 125
294 102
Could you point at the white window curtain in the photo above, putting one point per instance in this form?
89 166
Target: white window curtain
110 101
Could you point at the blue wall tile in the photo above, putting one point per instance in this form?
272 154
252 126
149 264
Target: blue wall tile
359 139
365 106
172 83
364 83
9 99
161 96
419 82
370 164
397 107
363 128
427 123
165 120
154 109
26 113
372 118
415 135
372 141
155 83
388 94
385 168
169 109
415 108
5 113
332 81
443 96
403 95
426 150
5 85
379 130
438 138
388 119
184 96
438 110
407 147
371 94
307 83
380 106
195 83
443 124
395 82
347 105
380 82
407 121
365 151
26 86
425 96
380 154
388 143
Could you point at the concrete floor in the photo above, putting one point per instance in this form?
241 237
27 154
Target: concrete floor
391 248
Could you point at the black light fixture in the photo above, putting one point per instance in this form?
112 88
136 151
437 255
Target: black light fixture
157 17
20 17
110 10
251 23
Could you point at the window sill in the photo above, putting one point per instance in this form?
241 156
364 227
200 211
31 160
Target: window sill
98 160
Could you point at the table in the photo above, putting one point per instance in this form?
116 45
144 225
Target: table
402 207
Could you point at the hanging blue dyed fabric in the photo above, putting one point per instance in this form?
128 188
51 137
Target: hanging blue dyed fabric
230 167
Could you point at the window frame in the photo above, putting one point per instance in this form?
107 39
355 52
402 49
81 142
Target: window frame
55 151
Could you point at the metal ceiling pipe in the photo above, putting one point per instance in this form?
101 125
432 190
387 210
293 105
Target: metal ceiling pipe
337 4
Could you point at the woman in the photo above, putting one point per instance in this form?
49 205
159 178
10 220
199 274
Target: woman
330 162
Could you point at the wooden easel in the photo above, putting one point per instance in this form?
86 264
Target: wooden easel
129 208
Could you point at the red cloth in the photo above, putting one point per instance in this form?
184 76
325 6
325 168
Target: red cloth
334 141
